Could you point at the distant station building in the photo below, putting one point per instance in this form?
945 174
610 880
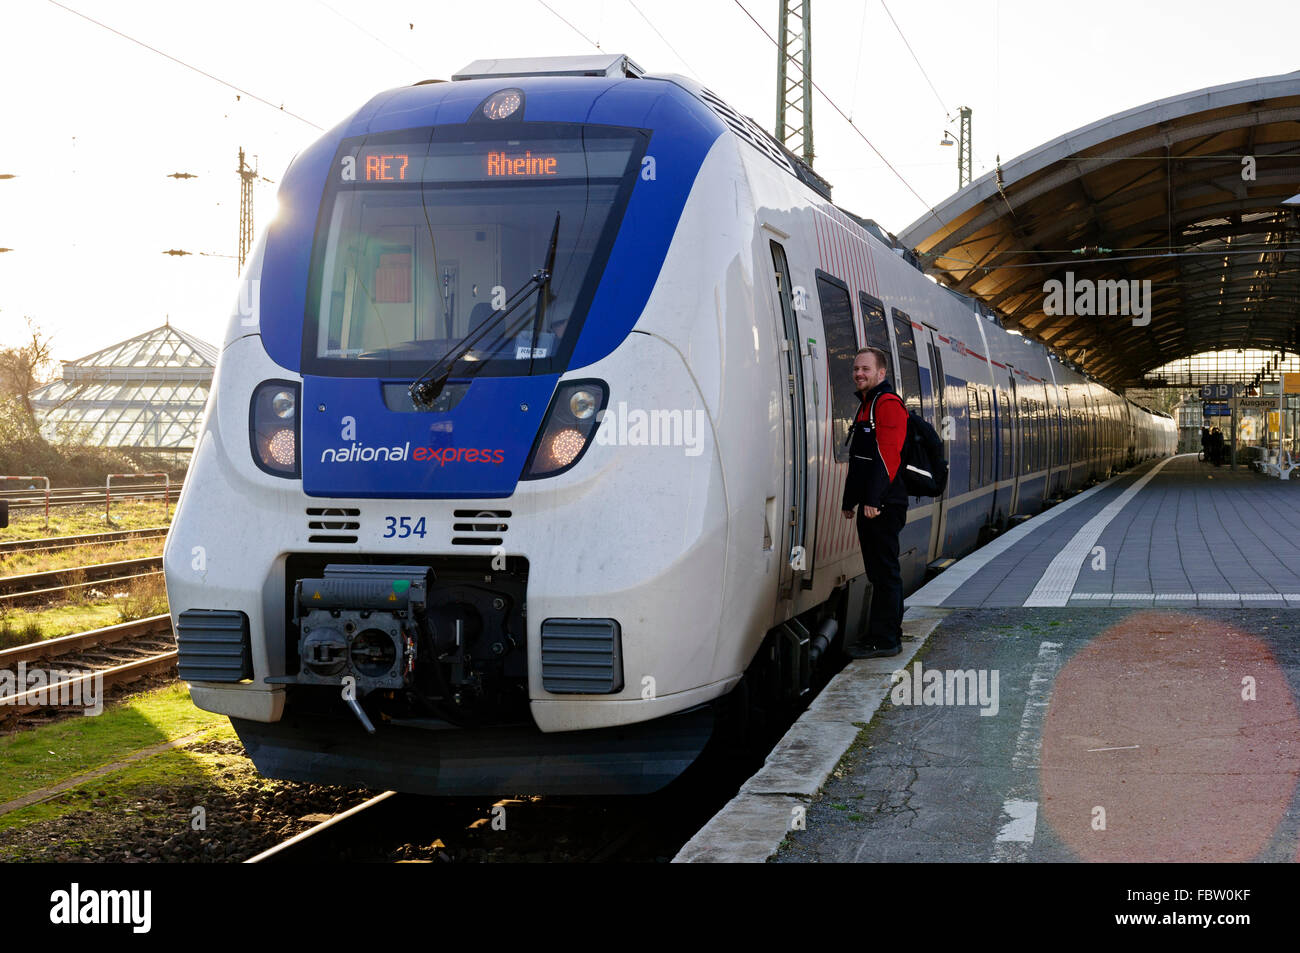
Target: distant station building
1189 414
146 393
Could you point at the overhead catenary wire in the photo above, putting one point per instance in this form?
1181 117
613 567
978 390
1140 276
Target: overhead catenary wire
844 116
665 39
570 25
189 66
947 114
378 40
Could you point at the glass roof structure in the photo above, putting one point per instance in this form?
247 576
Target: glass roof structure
1190 202
1243 366
147 392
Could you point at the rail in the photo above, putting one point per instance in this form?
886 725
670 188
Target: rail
80 641
108 491
55 543
60 693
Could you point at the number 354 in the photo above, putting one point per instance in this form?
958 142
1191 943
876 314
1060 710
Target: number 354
401 528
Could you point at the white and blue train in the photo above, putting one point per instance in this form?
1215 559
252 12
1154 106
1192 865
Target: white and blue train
523 459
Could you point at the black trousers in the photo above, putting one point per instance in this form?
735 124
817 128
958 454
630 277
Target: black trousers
879 539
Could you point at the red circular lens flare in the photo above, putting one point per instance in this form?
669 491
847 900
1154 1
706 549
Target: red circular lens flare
1171 737
565 447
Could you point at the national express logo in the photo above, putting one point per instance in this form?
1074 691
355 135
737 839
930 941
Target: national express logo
353 452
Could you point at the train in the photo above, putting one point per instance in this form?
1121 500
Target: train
522 462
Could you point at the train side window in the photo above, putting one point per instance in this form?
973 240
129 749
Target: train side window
1054 423
1043 437
841 350
909 368
987 434
1026 431
1031 415
875 333
1004 471
973 423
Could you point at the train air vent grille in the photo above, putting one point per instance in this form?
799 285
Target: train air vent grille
582 656
748 130
332 524
213 646
479 527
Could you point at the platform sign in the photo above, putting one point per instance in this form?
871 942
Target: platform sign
1217 410
1220 391
1290 382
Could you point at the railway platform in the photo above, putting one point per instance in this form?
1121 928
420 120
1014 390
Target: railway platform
1112 680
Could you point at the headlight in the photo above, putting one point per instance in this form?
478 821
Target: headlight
273 428
582 404
564 448
567 429
284 403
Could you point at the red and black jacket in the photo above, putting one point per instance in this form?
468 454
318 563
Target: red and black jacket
874 455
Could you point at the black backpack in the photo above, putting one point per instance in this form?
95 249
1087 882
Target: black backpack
923 465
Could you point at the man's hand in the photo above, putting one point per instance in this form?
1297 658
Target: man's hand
848 514
870 512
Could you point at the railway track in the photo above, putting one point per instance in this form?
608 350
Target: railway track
54 544
86 496
57 584
396 827
96 659
324 840
152 628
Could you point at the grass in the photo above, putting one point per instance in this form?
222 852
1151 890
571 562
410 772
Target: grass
143 598
20 633
44 756
78 520
167 768
39 624
18 564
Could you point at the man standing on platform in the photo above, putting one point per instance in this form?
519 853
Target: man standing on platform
874 490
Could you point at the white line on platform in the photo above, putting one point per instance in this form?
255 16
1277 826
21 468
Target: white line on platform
954 577
1192 596
1024 818
1017 835
1057 582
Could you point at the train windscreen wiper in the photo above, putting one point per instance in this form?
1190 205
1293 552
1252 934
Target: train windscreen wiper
426 388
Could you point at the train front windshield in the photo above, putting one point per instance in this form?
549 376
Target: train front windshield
424 234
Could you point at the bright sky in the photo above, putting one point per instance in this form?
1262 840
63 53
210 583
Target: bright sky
93 123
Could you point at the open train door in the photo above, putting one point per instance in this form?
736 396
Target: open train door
797 552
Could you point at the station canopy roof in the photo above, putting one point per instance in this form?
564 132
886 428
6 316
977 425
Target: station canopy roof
1198 194
147 392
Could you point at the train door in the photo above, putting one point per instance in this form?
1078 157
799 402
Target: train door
796 564
937 414
1010 459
